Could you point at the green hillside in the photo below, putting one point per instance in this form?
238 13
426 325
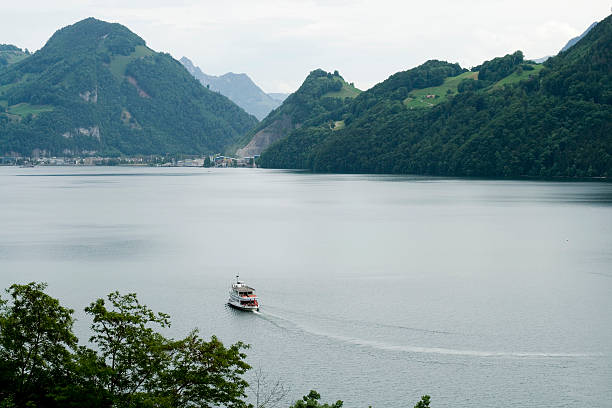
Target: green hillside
431 96
296 148
346 91
321 94
418 98
118 63
515 119
10 54
24 109
519 75
97 87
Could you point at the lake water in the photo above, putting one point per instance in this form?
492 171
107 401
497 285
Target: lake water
374 289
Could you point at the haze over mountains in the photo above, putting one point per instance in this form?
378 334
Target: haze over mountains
279 96
239 88
96 88
574 40
568 44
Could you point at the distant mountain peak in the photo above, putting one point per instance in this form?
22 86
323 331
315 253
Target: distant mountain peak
567 46
574 40
238 87
187 63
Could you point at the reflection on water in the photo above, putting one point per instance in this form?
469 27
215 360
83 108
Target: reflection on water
374 289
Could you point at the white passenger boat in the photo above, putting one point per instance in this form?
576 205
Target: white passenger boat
243 297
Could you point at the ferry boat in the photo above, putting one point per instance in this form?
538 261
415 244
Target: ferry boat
243 297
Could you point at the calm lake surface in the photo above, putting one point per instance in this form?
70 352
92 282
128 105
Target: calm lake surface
375 289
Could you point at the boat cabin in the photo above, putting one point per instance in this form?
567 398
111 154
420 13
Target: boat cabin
243 290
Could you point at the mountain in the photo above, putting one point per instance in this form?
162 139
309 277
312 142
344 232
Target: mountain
574 40
507 118
97 87
237 87
10 54
567 46
277 96
320 93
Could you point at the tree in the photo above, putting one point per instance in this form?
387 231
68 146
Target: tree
312 401
267 393
143 368
205 373
424 402
133 365
36 341
207 162
129 346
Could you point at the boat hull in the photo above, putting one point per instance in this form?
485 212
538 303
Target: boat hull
244 308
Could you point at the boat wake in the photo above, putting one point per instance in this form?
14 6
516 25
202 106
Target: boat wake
455 352
369 323
289 325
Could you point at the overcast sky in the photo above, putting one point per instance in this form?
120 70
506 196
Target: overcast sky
278 42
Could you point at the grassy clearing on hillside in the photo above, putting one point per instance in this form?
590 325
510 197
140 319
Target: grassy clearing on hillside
418 97
119 62
22 109
13 57
347 91
339 124
515 77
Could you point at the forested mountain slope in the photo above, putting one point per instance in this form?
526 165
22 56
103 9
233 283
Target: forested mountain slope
320 93
511 119
97 87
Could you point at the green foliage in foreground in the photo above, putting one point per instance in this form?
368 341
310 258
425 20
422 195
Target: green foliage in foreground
424 402
130 365
515 120
312 401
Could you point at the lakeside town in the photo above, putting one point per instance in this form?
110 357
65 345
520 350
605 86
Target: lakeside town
216 160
